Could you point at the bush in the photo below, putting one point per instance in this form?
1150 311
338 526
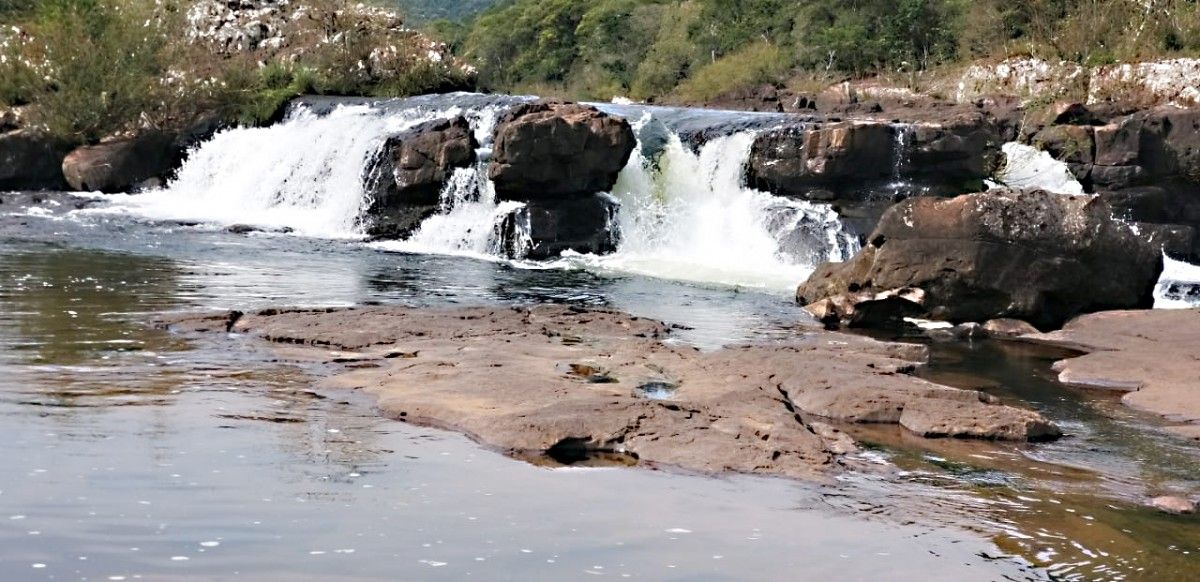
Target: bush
756 64
103 66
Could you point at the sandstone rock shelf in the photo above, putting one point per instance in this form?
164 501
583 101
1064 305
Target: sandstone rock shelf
569 380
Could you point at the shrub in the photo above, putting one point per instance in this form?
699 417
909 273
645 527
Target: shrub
756 64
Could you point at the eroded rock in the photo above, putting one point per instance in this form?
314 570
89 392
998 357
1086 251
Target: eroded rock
1030 255
525 380
411 171
1152 356
558 150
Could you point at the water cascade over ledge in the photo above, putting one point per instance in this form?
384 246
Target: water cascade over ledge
684 210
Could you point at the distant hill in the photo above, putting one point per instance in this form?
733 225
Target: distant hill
429 10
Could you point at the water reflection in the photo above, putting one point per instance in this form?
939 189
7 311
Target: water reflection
130 454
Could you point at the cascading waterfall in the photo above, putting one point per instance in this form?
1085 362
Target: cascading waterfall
305 174
689 216
682 214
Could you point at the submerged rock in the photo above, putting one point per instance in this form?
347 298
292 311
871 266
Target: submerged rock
558 150
1174 505
1030 255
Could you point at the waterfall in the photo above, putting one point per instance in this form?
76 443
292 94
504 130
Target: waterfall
689 216
305 174
683 213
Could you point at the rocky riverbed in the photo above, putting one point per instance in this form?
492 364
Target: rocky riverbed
571 382
1151 357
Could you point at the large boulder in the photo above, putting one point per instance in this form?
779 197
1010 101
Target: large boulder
412 169
29 161
1030 255
120 165
558 150
128 163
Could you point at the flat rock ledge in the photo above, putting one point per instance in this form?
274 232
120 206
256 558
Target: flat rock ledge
1152 356
571 382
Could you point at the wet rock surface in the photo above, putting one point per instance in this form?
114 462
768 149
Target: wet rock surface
412 169
1145 163
557 150
1030 255
1152 356
570 380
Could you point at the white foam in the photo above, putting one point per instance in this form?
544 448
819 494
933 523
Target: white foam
693 219
306 174
1029 167
1175 272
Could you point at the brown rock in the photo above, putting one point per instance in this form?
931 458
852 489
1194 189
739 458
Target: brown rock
933 418
1008 328
1154 356
121 164
412 169
1031 255
527 380
555 150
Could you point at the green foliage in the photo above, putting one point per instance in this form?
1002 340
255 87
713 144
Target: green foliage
647 48
104 66
756 64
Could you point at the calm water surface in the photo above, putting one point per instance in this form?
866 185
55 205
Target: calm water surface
130 453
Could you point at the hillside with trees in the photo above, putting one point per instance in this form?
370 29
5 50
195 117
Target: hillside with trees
691 50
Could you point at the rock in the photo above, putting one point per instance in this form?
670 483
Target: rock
936 418
29 161
562 377
558 150
1008 328
546 228
407 178
1030 255
887 309
1173 505
414 166
124 164
759 98
1147 164
1070 113
1153 356
859 161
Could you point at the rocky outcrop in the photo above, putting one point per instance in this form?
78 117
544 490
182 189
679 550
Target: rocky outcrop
411 171
1031 255
546 228
121 165
29 161
1145 164
558 150
1153 357
855 161
569 382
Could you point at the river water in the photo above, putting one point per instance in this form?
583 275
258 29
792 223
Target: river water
132 453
